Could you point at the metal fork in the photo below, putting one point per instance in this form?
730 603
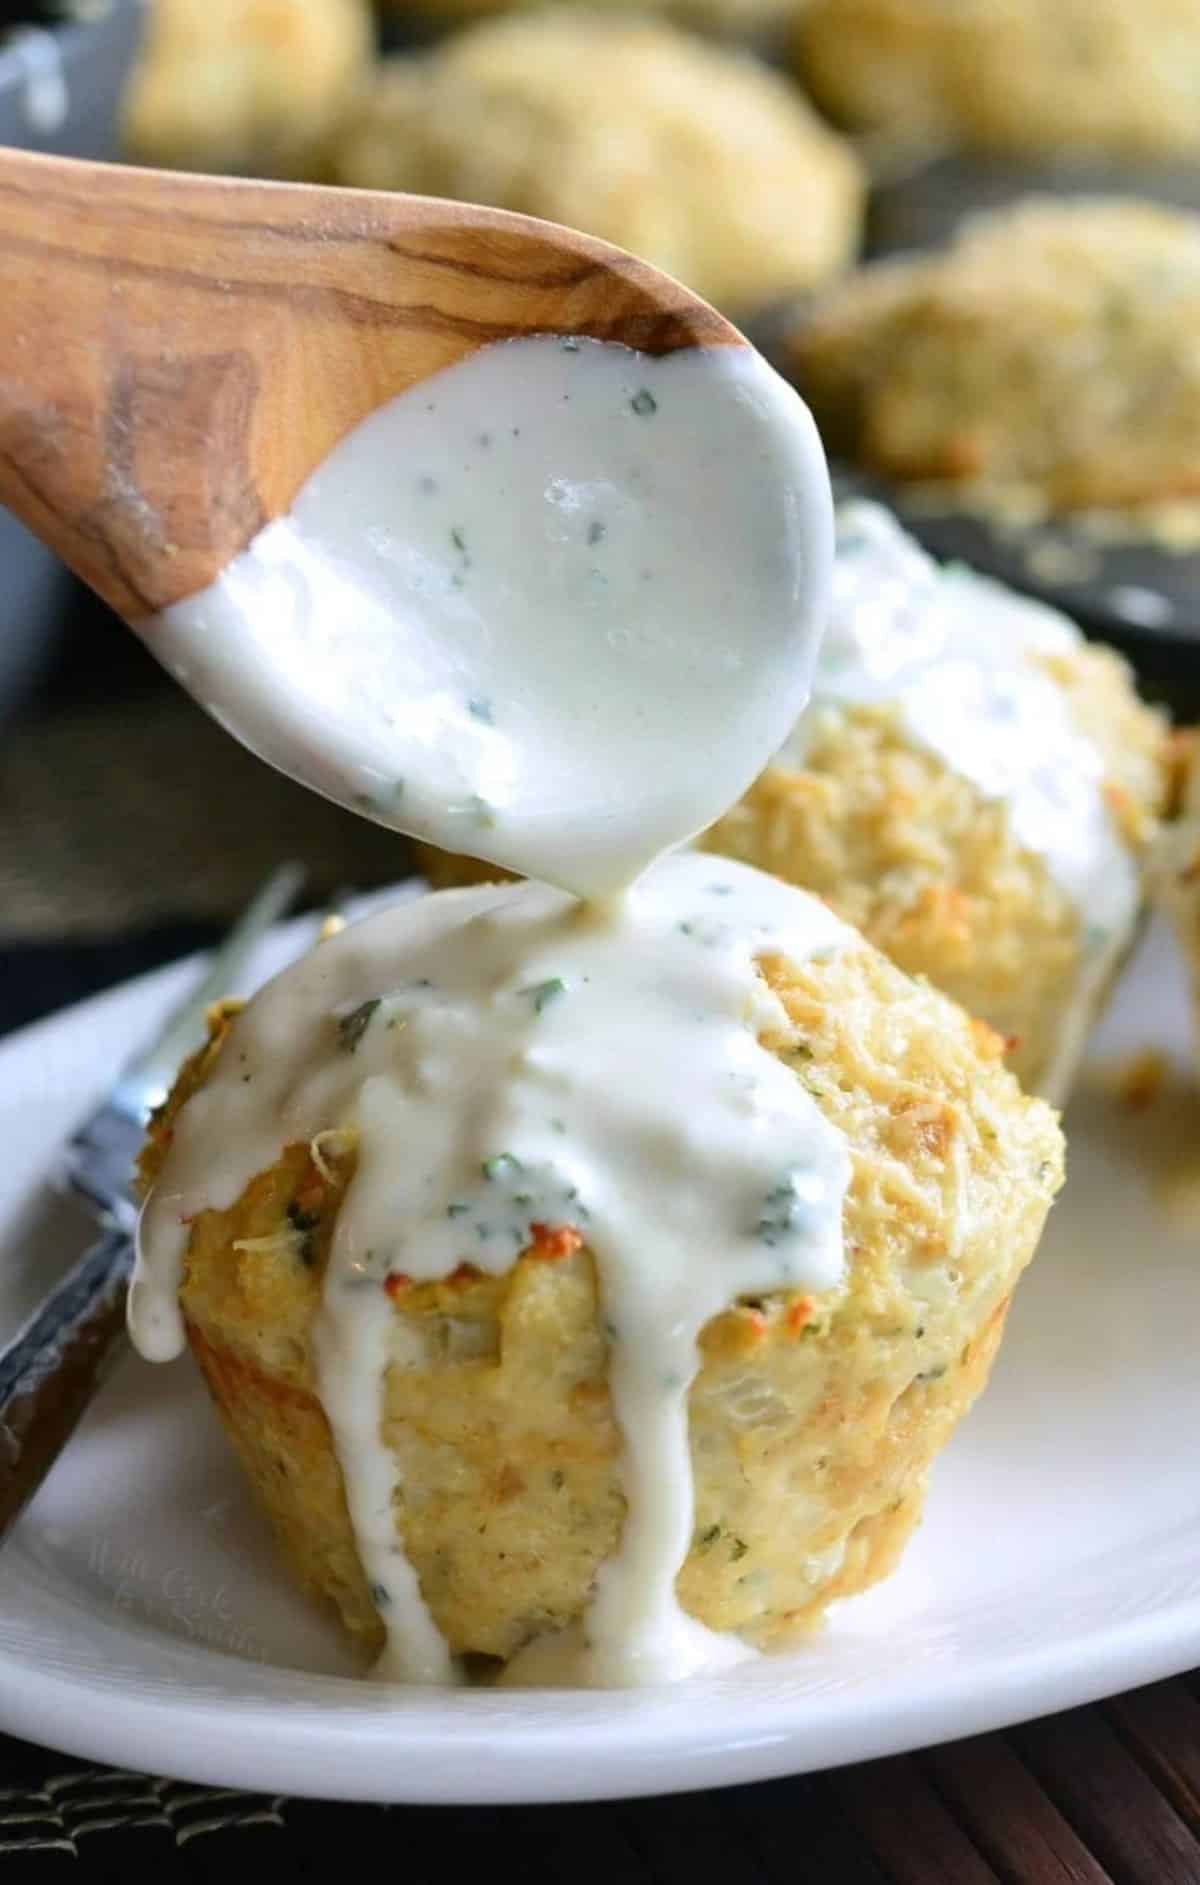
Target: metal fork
53 1366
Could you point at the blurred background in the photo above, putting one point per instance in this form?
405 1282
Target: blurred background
761 150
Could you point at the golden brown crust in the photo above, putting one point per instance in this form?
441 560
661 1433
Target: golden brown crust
1090 76
245 85
1046 359
720 17
698 158
914 856
929 870
814 1419
1176 870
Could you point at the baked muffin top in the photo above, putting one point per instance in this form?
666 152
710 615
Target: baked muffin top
1050 356
698 158
1087 76
253 85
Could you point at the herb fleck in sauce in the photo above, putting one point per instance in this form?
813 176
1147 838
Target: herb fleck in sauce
352 1026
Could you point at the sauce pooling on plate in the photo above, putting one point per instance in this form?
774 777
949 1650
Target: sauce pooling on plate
555 606
957 656
516 1065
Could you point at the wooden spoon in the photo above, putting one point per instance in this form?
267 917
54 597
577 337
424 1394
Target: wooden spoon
179 353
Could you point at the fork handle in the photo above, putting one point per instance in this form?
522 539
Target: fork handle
51 1372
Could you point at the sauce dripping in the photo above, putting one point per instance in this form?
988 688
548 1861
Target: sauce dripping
955 655
558 606
542 1062
514 604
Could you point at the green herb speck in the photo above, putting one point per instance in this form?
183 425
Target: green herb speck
708 1537
596 532
380 1596
738 1549
644 403
503 1165
481 710
427 486
352 1026
558 1480
542 993
783 1213
457 1210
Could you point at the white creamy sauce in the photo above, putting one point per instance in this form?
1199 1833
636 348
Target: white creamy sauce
546 1066
949 650
556 606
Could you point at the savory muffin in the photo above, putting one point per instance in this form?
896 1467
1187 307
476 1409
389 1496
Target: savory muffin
244 85
1085 76
1050 357
506 1375
974 787
720 17
696 158
1176 873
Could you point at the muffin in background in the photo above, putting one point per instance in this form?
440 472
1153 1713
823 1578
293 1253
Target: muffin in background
1046 362
697 158
1089 77
814 1418
1177 864
723 18
245 86
974 786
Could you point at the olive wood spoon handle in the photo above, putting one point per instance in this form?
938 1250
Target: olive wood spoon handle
179 353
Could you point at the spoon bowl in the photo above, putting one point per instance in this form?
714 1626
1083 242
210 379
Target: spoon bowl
180 353
469 522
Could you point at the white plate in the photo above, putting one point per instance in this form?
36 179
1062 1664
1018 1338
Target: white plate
143 1620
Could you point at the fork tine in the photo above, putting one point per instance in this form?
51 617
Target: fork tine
52 1367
